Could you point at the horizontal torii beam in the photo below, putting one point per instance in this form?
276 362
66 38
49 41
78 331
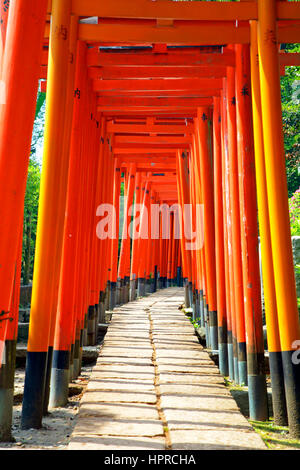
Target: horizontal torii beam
96 58
144 169
177 34
160 85
158 146
180 34
142 111
140 150
153 102
147 160
180 10
149 128
180 71
151 140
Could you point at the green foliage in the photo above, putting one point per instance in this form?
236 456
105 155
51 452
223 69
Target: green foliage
30 219
290 95
32 194
294 204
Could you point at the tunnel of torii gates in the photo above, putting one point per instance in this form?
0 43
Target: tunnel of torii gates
181 103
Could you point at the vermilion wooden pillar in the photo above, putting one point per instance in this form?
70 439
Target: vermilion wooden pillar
134 254
48 230
99 200
108 199
62 187
236 254
257 389
17 110
143 239
230 304
115 240
284 276
79 306
66 308
204 302
219 240
186 219
273 338
124 261
199 231
206 177
195 230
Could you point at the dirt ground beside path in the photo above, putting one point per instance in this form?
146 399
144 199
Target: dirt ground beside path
57 425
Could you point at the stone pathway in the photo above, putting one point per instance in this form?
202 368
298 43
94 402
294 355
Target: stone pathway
155 388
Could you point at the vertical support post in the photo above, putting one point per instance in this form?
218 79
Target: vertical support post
206 178
47 230
62 197
236 230
143 237
115 240
186 221
124 260
230 308
273 338
134 254
60 375
19 84
284 276
257 388
219 241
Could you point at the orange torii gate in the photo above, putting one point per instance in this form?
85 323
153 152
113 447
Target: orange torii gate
162 92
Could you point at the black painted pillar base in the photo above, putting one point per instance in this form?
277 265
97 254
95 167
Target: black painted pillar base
190 294
119 292
132 290
278 391
60 378
257 386
84 331
141 287
76 360
291 371
80 351
71 367
155 279
223 351
102 307
235 360
33 398
7 372
112 299
206 323
197 305
47 380
213 330
148 286
201 307
242 364
91 333
230 355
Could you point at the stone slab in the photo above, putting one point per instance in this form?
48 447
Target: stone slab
109 359
216 440
201 419
119 427
94 396
119 410
138 372
208 402
183 378
91 442
99 383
